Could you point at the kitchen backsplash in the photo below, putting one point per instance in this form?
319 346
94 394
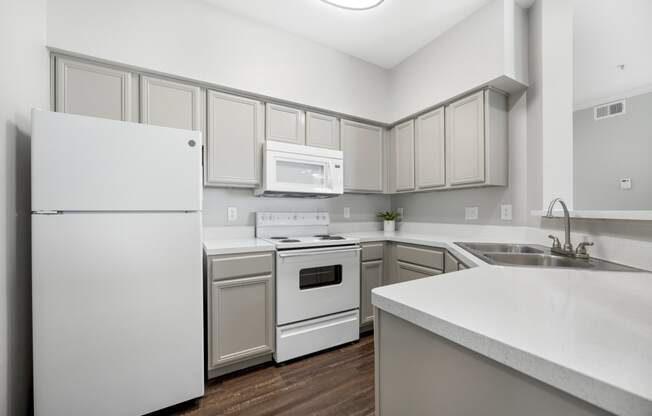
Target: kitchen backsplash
363 208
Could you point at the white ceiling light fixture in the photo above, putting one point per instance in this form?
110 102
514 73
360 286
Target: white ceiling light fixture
354 4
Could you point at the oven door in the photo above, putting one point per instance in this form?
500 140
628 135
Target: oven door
316 282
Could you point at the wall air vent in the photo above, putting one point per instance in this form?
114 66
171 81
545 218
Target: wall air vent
609 110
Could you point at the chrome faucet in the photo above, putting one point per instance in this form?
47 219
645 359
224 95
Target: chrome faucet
567 249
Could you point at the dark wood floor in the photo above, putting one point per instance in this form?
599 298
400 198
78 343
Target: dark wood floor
337 382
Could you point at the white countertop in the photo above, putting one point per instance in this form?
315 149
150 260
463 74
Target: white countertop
236 245
587 333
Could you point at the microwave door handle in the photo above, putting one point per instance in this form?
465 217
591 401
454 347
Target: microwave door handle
331 175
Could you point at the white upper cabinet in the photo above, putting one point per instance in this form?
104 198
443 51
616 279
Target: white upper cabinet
233 154
285 124
170 103
92 90
430 150
322 131
465 140
362 145
476 140
403 160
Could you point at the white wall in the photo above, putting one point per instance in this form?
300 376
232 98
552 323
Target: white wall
557 99
208 44
597 79
23 84
607 150
196 40
487 45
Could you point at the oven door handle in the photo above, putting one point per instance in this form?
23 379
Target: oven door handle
322 251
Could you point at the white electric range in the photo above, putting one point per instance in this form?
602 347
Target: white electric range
317 282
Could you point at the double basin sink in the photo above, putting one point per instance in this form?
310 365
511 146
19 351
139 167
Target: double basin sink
532 255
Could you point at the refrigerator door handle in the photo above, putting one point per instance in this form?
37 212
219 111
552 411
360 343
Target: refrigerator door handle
47 212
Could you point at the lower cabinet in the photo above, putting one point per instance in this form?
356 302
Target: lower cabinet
371 276
452 264
407 271
410 262
240 311
405 262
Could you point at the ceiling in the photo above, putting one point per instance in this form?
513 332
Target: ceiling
609 33
384 36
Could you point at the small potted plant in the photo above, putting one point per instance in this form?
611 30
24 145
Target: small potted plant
389 220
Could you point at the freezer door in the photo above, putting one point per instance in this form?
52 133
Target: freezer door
90 164
117 312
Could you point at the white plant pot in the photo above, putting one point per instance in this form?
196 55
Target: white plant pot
389 226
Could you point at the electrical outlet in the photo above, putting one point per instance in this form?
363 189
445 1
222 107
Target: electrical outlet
626 183
506 212
400 211
232 214
471 213
347 212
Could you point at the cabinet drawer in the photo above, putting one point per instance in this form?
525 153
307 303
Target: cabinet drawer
228 267
372 251
427 257
407 272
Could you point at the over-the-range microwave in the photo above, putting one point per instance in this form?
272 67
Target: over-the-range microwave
301 171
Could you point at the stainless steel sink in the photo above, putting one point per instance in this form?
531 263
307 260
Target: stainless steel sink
541 260
533 255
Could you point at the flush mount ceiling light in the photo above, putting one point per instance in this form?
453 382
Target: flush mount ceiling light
354 4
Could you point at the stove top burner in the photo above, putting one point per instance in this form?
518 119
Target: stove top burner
290 240
321 235
278 238
332 237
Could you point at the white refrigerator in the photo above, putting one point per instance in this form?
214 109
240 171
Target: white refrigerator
116 266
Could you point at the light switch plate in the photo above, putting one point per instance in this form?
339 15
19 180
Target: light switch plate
471 213
506 212
232 214
347 212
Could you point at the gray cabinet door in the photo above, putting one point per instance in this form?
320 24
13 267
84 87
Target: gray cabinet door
170 103
322 131
92 90
362 145
407 271
233 155
371 276
450 263
404 156
242 319
430 150
465 140
285 124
